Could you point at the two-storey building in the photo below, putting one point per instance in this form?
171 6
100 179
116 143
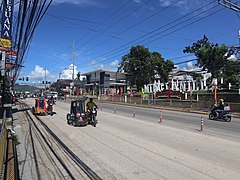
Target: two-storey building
105 82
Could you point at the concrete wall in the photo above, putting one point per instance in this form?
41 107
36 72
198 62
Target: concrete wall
204 102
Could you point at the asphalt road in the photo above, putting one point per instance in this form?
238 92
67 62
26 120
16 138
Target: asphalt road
126 147
182 120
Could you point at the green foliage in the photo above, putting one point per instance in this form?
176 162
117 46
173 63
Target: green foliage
134 86
213 58
143 65
23 88
230 74
209 56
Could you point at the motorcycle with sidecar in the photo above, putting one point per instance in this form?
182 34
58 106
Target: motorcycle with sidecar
40 107
78 116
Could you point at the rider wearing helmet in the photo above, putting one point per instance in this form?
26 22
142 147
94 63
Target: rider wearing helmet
221 104
220 108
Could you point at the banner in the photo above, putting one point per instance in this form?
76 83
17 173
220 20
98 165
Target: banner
121 91
5 43
7 16
131 92
214 92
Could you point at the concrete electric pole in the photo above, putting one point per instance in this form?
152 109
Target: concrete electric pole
233 49
73 69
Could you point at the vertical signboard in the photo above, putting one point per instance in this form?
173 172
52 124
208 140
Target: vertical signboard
7 16
6 26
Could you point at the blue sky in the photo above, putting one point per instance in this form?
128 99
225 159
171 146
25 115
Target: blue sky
104 30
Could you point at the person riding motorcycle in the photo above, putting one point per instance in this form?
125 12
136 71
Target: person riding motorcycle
50 100
91 104
50 103
220 108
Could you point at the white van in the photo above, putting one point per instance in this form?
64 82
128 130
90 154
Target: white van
54 94
51 93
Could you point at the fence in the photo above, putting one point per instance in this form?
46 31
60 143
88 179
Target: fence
3 144
203 102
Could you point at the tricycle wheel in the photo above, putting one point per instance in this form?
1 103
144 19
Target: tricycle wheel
68 118
33 110
94 121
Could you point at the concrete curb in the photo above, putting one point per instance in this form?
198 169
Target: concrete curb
235 115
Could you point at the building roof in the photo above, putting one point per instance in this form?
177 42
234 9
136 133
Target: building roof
101 70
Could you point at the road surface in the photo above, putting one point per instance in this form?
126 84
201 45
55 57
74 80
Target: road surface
124 147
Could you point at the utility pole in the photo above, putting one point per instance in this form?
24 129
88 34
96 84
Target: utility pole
45 80
73 69
234 49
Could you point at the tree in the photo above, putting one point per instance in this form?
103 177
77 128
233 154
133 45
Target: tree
230 74
142 66
209 56
214 58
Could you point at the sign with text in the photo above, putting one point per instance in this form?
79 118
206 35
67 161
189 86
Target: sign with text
5 43
177 85
7 15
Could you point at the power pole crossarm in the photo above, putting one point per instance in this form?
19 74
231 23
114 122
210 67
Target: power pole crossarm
229 5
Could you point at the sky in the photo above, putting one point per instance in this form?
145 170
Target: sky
95 34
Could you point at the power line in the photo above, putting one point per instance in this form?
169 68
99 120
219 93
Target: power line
154 31
84 27
176 20
116 22
75 19
134 25
149 17
103 21
176 30
30 14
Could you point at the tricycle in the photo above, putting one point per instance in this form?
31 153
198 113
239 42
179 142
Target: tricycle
79 116
40 107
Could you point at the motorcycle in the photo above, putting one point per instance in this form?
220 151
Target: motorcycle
91 116
224 115
50 109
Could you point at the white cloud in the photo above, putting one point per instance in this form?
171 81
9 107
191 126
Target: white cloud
114 63
185 5
93 62
68 72
38 73
169 2
137 1
76 2
190 66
